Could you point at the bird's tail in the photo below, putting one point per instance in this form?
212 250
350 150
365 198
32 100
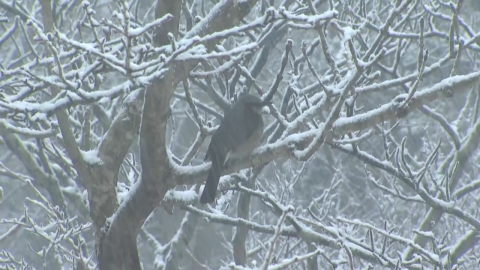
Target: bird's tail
210 189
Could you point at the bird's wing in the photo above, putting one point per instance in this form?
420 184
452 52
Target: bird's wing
239 135
252 130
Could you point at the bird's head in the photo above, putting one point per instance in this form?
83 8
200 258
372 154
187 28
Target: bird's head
253 102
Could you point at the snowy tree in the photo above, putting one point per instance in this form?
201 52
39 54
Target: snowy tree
368 159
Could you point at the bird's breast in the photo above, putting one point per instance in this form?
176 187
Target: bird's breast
253 133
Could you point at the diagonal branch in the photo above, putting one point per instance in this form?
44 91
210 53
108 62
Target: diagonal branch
157 175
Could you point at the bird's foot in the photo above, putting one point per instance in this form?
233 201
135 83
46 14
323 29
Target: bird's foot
292 146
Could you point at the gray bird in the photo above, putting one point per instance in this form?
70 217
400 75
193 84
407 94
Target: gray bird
236 137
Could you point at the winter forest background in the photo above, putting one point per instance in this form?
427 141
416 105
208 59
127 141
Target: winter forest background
368 161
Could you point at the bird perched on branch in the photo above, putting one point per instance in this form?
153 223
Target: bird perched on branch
236 137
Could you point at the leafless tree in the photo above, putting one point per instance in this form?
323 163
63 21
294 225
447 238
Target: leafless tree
368 160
